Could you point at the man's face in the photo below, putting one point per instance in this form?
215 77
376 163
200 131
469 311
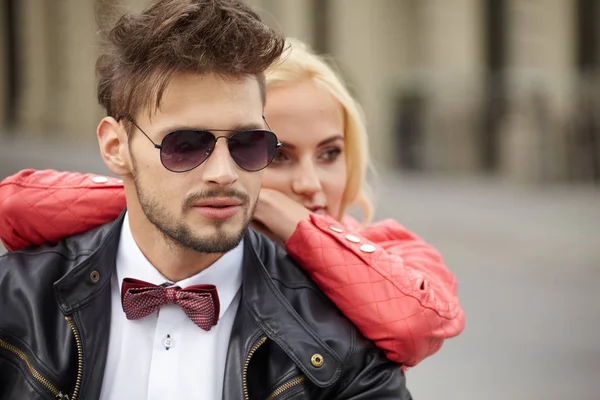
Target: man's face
208 208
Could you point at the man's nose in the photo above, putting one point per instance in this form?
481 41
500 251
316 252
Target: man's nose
220 168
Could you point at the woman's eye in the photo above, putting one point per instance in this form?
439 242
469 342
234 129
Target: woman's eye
280 156
331 154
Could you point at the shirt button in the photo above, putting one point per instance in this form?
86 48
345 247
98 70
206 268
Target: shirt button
168 342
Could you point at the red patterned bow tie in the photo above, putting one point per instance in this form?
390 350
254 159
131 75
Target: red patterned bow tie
199 302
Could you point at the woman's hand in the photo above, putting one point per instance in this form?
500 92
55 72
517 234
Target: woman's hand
277 215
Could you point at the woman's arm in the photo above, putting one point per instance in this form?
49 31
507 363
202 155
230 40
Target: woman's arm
39 207
391 284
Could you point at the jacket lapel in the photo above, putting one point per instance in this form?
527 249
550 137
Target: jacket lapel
84 295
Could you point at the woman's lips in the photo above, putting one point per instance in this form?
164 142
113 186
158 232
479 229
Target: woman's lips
316 209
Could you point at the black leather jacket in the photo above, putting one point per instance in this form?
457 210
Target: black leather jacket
288 340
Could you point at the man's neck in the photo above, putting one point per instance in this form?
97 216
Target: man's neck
173 261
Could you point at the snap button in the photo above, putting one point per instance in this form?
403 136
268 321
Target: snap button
353 238
99 179
317 360
367 248
95 276
336 229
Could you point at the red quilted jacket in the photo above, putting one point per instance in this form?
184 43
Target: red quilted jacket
392 285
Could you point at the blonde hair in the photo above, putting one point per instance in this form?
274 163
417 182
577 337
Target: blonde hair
299 63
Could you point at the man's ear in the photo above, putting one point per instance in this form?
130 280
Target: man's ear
113 141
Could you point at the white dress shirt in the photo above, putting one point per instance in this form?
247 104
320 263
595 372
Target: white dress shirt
165 355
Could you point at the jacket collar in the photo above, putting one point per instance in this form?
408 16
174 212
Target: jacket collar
96 252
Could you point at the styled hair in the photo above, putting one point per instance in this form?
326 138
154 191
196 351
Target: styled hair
142 51
299 63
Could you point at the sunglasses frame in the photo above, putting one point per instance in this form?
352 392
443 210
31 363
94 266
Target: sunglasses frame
160 146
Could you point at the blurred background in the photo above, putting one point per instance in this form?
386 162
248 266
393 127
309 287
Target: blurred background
485 129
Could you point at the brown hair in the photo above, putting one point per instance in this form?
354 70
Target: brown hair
143 51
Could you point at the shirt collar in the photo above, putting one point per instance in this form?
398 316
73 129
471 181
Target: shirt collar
225 273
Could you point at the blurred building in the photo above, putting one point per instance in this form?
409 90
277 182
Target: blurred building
502 86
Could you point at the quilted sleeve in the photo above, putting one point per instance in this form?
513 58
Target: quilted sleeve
392 285
39 207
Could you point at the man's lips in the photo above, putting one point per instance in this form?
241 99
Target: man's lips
218 202
218 208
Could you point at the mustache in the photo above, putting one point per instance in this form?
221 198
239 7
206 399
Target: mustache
192 199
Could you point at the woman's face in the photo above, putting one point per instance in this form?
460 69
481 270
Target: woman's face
310 166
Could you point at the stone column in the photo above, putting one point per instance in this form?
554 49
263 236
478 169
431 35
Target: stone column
295 19
370 40
542 74
3 69
452 71
76 50
290 17
33 45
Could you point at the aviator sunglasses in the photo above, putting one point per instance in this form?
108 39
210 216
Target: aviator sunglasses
184 150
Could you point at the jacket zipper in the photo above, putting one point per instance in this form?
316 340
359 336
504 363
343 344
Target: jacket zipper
79 358
259 343
285 387
34 372
281 389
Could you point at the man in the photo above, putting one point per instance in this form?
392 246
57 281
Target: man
177 299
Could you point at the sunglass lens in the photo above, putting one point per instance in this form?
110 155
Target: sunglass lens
184 150
253 150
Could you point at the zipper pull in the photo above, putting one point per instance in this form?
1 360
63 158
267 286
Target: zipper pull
61 396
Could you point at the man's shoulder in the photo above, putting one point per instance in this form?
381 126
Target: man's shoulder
285 281
31 261
40 264
27 278
286 273
307 325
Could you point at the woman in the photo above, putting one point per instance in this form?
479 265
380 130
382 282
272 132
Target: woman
392 285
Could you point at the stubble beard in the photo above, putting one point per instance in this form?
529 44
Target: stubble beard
178 233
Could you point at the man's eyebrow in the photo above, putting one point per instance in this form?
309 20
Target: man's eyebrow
238 127
248 127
